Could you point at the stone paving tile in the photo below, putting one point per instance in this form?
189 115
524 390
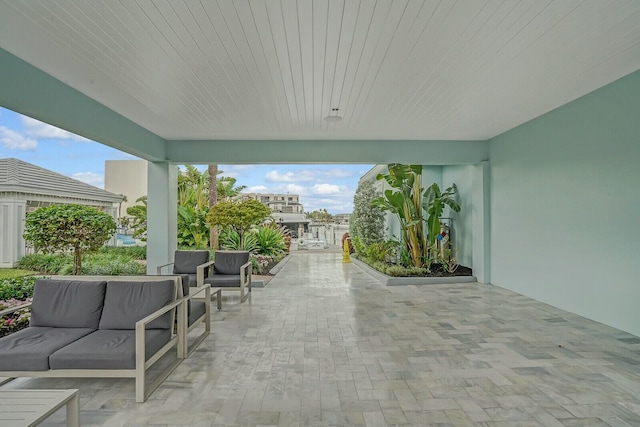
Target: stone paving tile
325 344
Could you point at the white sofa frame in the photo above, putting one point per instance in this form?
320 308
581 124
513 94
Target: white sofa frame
245 279
139 373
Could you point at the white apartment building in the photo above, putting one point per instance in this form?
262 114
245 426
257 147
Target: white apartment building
280 203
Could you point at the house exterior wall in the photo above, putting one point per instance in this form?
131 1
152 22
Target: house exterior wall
565 206
12 214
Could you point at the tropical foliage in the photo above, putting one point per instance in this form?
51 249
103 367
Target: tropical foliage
366 225
240 216
409 202
138 213
321 215
107 262
194 201
71 227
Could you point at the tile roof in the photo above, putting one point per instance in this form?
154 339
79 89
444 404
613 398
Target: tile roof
21 177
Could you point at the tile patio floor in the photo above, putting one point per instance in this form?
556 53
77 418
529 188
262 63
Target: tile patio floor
325 344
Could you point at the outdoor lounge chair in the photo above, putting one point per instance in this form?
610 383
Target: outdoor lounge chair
185 265
230 270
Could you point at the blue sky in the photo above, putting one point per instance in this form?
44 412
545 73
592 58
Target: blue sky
328 187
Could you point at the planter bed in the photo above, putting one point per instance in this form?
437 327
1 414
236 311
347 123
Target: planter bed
400 281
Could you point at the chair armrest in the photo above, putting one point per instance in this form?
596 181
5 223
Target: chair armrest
140 344
14 309
160 267
153 316
200 272
193 291
245 272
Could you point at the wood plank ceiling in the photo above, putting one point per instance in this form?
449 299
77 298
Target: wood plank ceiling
255 69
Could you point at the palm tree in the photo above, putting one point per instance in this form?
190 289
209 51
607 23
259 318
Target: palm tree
213 198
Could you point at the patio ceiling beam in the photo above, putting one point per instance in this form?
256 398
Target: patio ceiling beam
27 90
328 151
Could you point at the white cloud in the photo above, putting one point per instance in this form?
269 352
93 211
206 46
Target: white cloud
275 176
15 141
306 175
90 178
255 189
296 189
38 129
325 189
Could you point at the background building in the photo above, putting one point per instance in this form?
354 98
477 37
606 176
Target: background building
25 187
285 203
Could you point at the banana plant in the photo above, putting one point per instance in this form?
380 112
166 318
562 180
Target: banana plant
434 202
404 200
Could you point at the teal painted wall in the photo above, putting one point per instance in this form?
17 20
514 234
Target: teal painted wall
462 176
565 206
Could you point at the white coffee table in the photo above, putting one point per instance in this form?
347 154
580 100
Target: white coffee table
31 407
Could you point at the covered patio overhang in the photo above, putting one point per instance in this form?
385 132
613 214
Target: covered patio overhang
49 100
506 90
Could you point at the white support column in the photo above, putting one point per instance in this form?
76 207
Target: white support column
12 215
162 214
481 224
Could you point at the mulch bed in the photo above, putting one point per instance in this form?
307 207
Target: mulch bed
438 271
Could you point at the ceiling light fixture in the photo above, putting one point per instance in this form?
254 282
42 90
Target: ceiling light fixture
333 119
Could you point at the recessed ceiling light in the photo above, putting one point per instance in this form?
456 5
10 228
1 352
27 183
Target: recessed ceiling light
335 118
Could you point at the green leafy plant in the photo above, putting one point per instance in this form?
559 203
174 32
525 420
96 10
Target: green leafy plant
229 239
381 251
409 201
270 240
74 228
17 288
135 252
433 203
238 215
367 220
319 215
448 260
138 214
359 247
404 199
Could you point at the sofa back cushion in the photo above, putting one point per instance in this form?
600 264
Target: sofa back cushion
127 302
188 261
229 262
67 303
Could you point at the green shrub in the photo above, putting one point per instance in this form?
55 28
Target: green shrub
229 239
107 263
359 246
46 263
111 265
17 288
380 251
135 252
399 271
270 241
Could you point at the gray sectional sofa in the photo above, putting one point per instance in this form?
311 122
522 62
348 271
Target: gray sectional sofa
90 326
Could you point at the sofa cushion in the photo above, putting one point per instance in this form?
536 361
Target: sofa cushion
67 303
29 349
107 349
188 261
229 262
127 302
223 280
